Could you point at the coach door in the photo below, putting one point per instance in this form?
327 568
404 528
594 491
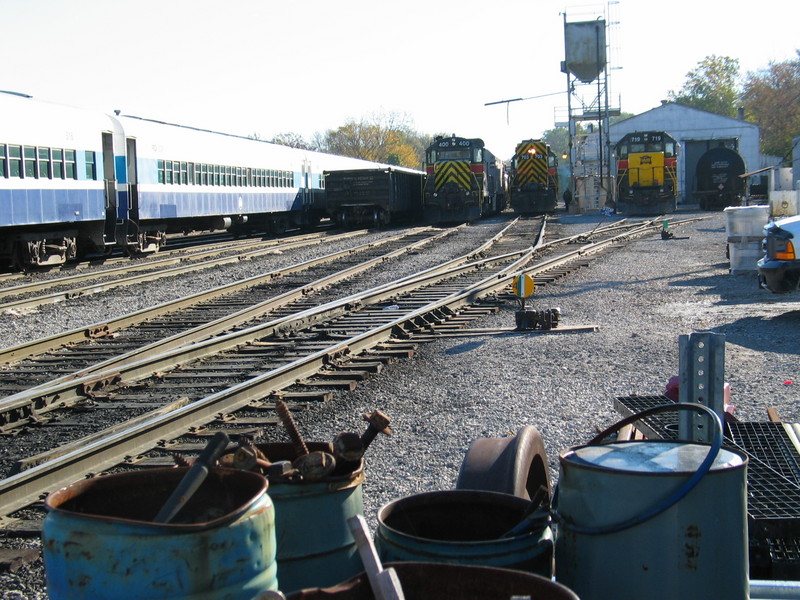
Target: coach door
109 187
306 184
133 178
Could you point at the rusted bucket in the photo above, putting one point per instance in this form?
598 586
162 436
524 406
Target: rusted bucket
448 582
315 547
99 540
463 527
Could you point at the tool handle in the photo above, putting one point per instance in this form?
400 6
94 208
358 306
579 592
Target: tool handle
385 583
193 478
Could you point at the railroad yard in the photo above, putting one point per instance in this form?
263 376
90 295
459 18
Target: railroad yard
622 310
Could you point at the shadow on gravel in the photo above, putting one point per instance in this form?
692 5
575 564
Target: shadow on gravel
773 334
466 347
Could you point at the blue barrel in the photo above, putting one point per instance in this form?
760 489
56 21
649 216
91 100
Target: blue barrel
315 547
621 520
463 527
99 541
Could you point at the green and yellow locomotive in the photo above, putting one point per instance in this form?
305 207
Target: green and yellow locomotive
464 181
534 183
647 173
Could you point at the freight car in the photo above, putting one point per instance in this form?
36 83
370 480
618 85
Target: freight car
464 181
76 182
647 182
374 197
718 178
533 187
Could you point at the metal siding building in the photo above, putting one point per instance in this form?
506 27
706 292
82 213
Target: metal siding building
696 131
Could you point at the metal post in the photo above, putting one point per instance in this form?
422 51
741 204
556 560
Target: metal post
702 381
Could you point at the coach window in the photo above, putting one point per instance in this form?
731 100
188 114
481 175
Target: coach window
15 161
190 168
69 164
3 161
58 163
91 166
30 161
176 172
184 173
168 171
216 175
44 163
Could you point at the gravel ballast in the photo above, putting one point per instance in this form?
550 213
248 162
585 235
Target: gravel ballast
641 298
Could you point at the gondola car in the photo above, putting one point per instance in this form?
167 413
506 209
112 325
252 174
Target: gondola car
75 182
647 182
375 197
718 178
464 181
533 187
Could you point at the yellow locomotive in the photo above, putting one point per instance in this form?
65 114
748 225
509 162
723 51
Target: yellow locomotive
647 179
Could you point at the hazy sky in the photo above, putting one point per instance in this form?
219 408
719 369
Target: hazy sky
269 67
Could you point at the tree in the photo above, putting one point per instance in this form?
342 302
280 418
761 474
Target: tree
558 138
293 140
771 98
386 138
712 86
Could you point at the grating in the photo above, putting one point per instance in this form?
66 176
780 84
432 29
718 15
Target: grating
773 472
770 443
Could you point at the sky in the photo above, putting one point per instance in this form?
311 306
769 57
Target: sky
268 67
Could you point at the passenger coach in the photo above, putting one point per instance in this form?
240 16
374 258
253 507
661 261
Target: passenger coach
75 182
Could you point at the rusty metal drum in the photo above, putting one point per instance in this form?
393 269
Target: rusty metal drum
466 527
444 581
99 539
314 545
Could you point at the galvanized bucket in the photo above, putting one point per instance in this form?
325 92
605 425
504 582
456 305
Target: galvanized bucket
448 582
100 542
462 527
315 547
696 547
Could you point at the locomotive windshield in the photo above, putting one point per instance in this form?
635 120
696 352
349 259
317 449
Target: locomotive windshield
457 154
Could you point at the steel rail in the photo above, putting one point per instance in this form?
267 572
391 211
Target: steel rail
27 486
104 286
171 353
95 330
56 393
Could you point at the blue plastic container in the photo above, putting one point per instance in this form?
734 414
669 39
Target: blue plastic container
99 541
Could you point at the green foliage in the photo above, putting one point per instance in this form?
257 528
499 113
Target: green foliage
771 98
558 138
712 86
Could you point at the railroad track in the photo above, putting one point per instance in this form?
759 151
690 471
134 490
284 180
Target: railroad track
170 402
126 272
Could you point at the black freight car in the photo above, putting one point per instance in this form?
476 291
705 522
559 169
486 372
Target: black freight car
719 181
374 196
